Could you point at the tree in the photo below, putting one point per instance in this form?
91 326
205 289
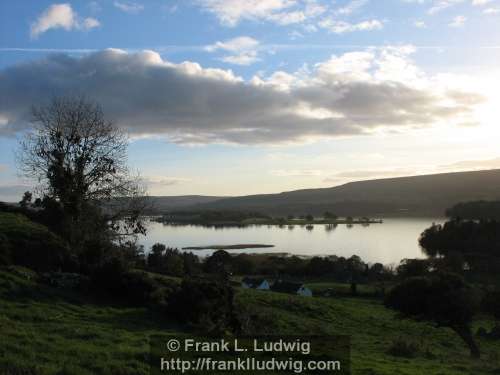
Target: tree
79 160
444 299
26 200
218 263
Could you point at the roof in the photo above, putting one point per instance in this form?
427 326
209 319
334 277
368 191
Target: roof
286 286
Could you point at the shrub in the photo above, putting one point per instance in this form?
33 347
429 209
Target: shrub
206 305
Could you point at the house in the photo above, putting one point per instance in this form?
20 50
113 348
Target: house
260 284
292 288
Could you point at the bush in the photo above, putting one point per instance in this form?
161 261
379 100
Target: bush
207 306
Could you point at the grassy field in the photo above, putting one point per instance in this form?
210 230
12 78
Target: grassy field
48 331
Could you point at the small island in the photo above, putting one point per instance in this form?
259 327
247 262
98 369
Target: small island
228 247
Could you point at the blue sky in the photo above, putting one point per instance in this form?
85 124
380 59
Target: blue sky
230 97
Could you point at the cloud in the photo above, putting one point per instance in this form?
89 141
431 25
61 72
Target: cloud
161 181
60 16
481 2
357 175
129 7
352 7
420 24
350 94
296 172
243 48
440 5
491 11
458 21
469 165
282 12
341 27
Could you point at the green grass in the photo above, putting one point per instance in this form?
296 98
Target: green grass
373 329
48 331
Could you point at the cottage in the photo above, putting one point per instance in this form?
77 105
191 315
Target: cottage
292 288
260 284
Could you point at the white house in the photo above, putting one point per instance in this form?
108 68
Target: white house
260 284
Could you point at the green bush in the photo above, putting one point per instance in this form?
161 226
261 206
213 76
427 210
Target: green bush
205 305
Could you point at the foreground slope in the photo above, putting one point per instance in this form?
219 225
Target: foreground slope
48 331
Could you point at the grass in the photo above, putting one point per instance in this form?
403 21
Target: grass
49 331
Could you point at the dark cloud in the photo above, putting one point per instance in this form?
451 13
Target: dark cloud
190 104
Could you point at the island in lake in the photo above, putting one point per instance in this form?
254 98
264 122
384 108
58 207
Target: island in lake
228 247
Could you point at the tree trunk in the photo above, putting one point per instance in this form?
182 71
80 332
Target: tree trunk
465 334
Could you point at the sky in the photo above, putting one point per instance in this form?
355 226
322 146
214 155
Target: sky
236 97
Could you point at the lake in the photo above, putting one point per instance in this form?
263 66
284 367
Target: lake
386 243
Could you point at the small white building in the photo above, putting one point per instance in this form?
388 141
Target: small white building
260 284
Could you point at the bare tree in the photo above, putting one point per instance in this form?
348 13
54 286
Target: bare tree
80 160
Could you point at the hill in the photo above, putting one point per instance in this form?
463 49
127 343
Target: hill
428 195
166 203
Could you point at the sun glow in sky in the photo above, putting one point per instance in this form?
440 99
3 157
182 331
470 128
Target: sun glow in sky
232 97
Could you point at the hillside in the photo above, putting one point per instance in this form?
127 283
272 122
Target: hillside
404 196
176 202
81 336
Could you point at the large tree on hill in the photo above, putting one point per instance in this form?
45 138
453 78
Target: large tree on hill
79 160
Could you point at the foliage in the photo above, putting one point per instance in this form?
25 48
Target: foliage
444 299
79 159
206 305
476 210
474 243
170 261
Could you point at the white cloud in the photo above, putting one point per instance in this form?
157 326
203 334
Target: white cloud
341 27
243 49
440 5
352 7
351 94
458 21
296 172
481 2
420 24
491 11
129 7
90 23
282 12
60 16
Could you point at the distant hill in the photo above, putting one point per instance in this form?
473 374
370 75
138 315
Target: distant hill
403 196
178 202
